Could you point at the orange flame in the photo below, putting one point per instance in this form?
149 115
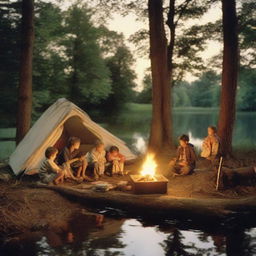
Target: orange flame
149 166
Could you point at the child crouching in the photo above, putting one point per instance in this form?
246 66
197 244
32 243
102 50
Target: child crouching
96 159
49 170
116 161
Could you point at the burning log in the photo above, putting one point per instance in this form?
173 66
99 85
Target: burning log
148 182
147 178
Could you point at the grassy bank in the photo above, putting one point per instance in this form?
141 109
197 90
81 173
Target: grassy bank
133 107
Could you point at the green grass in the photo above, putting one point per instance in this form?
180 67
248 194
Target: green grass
148 107
7 132
138 107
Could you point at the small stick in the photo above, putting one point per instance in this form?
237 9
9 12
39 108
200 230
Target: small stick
218 174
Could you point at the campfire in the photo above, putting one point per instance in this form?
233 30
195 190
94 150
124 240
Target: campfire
148 182
148 170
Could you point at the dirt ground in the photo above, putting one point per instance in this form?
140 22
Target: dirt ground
25 209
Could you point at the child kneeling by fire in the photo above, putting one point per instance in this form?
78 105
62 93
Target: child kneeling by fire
185 161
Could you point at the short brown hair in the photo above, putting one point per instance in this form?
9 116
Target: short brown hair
184 137
213 128
72 141
113 149
50 151
98 143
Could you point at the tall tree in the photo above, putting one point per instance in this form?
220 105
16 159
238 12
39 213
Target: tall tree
162 53
87 71
160 134
229 76
25 84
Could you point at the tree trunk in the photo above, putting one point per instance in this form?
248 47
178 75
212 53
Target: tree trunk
160 135
25 84
229 76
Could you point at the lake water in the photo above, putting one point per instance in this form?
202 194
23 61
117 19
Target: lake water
133 128
119 235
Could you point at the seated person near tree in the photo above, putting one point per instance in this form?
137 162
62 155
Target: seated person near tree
96 159
72 157
116 161
211 144
185 161
49 170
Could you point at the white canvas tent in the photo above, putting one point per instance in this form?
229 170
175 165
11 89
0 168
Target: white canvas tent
60 121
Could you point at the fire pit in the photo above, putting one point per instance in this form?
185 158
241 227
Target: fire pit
156 186
148 182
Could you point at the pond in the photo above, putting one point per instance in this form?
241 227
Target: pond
133 127
119 235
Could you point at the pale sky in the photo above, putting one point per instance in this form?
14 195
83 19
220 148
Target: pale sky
128 25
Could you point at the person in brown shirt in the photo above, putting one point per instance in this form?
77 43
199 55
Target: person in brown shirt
185 161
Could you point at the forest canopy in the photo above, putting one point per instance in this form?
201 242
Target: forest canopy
82 60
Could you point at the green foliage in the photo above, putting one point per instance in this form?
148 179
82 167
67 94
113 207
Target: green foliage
247 32
72 58
145 96
9 53
122 78
48 61
181 97
88 76
203 92
247 89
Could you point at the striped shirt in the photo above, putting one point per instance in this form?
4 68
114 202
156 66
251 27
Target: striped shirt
48 166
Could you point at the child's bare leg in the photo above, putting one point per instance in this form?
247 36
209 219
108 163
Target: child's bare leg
59 178
121 165
96 170
84 166
79 171
71 175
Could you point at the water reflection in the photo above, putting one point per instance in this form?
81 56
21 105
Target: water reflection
133 128
119 236
141 240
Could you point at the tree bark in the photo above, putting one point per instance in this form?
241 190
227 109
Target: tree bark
160 134
229 76
25 84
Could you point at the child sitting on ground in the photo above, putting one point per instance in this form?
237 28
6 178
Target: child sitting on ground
185 161
96 159
49 170
73 159
116 161
211 144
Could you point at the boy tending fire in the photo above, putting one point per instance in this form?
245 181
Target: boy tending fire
185 161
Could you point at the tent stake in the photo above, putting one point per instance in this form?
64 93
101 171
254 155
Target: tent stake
218 174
